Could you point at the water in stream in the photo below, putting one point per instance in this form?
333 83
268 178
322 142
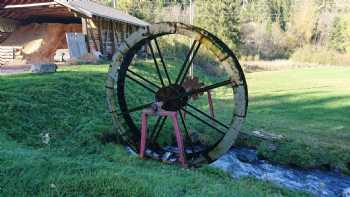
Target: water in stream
241 162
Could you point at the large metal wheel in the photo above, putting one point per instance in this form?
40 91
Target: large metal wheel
132 86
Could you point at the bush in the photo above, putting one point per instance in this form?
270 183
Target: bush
266 43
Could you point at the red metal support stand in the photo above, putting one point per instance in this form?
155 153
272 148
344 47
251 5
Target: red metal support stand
177 131
211 106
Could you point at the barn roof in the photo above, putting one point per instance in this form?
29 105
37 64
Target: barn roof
90 9
24 9
18 2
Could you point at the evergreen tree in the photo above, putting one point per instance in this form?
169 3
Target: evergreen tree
340 35
221 17
280 11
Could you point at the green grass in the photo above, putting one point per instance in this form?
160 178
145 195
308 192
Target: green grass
311 107
70 106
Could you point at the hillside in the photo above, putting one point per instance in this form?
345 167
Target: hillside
70 107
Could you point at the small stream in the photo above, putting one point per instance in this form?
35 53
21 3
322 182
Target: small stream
242 162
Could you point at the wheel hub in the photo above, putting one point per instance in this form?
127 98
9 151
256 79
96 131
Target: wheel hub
173 97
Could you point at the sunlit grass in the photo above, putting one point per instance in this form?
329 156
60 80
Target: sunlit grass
70 106
309 106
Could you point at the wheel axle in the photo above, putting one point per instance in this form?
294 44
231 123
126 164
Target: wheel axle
173 97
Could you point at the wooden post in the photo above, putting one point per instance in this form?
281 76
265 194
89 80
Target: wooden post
106 38
125 29
117 34
113 38
90 29
86 33
84 26
100 34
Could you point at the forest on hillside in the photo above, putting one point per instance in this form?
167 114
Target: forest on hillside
316 31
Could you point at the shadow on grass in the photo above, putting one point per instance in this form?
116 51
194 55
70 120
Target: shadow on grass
315 123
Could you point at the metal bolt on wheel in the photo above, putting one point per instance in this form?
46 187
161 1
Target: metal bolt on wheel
133 86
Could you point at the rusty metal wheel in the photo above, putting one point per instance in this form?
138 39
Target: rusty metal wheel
211 102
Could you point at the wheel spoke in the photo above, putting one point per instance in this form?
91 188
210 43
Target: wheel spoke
162 60
206 115
186 131
156 64
211 87
141 77
141 84
192 56
185 62
134 109
203 121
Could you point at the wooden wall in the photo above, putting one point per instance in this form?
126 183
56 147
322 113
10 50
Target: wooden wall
105 35
6 27
4 36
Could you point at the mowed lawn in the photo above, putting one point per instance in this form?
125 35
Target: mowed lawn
311 107
302 103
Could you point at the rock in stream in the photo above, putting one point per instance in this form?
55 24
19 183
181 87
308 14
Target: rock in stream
241 162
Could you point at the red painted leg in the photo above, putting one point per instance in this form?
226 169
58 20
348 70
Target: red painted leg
211 107
143 134
178 138
184 115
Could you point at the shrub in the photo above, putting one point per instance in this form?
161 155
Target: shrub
261 42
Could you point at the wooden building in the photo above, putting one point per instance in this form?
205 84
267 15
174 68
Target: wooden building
102 27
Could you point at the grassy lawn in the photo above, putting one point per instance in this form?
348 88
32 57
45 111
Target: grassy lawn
311 107
70 106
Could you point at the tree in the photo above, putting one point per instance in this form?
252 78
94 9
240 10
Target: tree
304 21
340 35
221 17
280 12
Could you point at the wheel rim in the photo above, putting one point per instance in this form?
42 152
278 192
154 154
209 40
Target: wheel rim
119 72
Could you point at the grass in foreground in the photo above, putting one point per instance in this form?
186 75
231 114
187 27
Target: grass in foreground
70 106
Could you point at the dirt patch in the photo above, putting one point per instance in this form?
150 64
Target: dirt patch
40 41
